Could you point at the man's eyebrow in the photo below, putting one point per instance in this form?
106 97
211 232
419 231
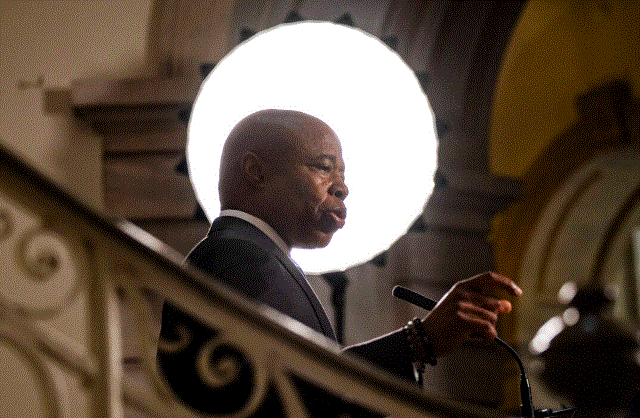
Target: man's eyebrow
327 156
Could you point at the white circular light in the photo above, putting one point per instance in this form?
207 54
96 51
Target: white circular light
359 87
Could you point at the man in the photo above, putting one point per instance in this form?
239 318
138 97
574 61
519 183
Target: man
282 185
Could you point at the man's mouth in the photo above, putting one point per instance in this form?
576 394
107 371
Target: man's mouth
339 217
334 219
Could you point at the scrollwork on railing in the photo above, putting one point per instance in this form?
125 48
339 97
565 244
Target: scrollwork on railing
181 342
34 389
39 274
219 364
208 371
40 256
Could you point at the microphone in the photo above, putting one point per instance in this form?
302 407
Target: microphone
525 390
414 298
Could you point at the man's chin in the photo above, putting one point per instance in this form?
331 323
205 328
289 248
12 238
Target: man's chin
318 240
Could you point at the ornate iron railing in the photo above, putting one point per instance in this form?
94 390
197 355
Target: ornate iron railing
68 275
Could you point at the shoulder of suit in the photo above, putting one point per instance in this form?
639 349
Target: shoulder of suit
219 253
227 245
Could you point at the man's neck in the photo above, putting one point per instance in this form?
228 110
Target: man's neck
261 225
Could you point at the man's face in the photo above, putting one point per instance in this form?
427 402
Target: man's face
309 189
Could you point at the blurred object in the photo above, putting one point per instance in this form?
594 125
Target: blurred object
580 204
559 50
590 359
566 94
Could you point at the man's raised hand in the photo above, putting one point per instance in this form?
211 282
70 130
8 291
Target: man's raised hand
469 310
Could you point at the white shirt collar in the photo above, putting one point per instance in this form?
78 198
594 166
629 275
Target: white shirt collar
261 225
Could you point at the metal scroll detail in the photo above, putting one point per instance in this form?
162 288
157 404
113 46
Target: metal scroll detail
38 274
211 374
219 377
219 365
33 386
39 281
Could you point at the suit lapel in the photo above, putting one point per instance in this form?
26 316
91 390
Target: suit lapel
251 232
298 274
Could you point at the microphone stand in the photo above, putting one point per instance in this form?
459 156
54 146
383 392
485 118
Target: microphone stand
526 408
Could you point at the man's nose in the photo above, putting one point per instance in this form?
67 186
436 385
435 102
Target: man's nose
339 189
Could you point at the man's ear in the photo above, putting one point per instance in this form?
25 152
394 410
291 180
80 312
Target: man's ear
253 169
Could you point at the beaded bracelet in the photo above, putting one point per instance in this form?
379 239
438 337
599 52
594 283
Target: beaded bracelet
419 342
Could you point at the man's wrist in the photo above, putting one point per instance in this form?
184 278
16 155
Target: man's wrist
418 341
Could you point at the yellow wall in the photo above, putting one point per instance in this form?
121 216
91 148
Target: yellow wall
559 50
63 41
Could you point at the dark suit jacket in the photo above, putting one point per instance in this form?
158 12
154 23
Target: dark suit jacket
244 258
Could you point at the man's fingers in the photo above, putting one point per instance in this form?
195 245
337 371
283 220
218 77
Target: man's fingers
487 281
478 327
470 309
505 306
475 311
486 302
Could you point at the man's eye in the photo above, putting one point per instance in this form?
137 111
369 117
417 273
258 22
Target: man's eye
323 167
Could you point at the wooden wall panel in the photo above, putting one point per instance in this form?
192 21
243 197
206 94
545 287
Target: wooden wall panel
137 141
133 92
147 186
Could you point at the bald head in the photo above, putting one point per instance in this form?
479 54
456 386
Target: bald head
270 135
283 164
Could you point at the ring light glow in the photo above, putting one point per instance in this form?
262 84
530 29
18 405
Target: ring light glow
359 87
